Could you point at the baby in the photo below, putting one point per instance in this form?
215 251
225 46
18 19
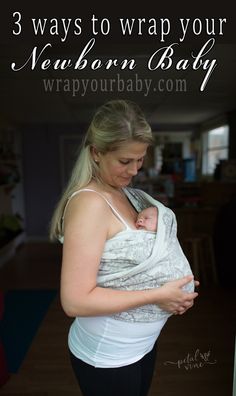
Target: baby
147 219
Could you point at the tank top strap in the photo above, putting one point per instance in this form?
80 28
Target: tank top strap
101 195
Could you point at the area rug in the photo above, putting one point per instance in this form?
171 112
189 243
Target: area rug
23 313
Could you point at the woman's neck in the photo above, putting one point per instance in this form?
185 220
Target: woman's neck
108 188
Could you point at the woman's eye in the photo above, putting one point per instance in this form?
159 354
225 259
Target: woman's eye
124 162
140 160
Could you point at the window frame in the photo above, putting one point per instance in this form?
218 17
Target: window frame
207 149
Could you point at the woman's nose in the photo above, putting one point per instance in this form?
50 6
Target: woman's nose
133 169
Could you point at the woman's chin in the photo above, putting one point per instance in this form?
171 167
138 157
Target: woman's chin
126 181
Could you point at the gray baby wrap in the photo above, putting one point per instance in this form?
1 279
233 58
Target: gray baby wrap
140 260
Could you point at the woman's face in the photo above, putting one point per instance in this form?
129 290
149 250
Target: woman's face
118 167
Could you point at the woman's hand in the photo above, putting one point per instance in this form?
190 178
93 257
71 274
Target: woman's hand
174 299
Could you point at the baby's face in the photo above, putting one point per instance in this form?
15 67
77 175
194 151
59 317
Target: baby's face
147 219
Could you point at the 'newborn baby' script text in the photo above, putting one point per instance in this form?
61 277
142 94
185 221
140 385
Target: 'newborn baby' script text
163 58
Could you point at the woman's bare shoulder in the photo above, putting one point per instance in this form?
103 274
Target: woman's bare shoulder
89 204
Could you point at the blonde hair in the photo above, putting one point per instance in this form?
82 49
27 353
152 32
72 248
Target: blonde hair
113 124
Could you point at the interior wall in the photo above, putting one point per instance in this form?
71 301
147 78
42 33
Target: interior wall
41 174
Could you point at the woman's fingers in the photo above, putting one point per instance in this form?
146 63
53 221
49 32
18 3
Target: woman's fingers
191 296
186 306
184 281
183 308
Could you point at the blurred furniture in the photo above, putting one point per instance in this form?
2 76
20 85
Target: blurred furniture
204 194
195 233
200 253
11 192
195 221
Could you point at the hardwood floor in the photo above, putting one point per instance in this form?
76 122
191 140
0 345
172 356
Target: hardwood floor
195 351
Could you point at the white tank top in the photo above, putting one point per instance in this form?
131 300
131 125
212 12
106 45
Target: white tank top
107 342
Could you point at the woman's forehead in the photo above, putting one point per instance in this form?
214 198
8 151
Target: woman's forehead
132 149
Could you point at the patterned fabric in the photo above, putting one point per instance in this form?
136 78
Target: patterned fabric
140 260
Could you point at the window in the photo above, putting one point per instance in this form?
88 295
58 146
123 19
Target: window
215 148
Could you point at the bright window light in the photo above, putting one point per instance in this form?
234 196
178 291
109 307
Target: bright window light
215 148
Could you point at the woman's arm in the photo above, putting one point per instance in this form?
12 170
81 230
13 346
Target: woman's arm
86 228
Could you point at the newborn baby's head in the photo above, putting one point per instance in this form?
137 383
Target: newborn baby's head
147 219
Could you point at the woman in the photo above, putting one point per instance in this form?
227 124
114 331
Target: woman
112 352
